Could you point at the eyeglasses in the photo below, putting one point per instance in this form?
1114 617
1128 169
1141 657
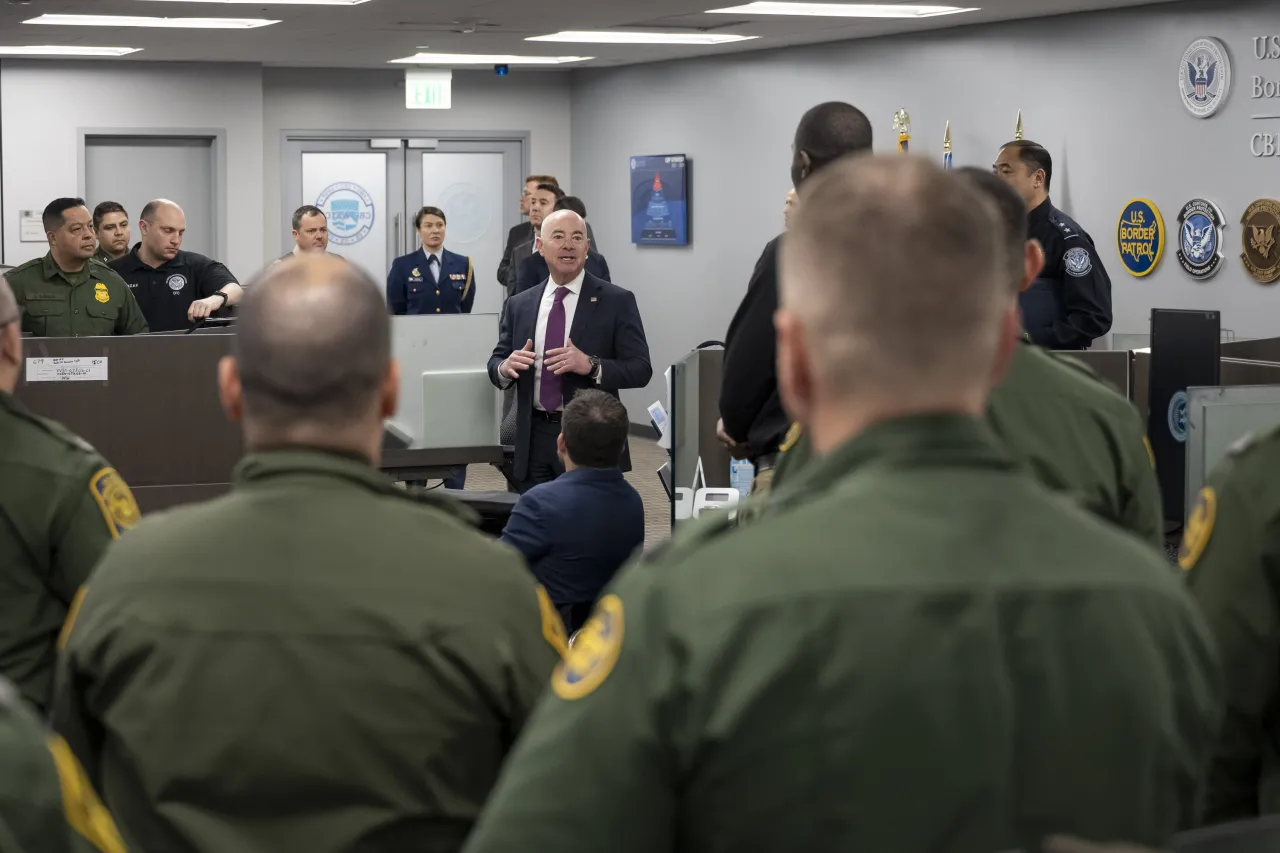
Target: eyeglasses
575 239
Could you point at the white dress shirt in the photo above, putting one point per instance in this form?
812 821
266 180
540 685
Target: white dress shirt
540 331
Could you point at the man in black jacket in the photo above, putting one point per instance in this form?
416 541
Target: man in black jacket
753 422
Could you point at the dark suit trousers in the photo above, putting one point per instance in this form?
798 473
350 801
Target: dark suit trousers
544 457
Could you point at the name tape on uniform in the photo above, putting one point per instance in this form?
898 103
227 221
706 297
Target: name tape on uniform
84 369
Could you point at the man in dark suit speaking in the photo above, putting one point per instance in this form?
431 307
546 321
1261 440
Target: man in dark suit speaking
574 332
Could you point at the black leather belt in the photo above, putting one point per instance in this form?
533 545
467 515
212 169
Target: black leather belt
549 417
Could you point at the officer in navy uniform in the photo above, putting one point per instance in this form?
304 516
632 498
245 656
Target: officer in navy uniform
431 280
1069 305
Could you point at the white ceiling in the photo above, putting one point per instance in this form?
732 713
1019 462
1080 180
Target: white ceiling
368 35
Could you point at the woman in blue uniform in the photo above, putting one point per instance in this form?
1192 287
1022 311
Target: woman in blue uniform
431 280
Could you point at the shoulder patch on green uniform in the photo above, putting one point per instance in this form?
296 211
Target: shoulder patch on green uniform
1199 528
69 623
1151 452
792 436
593 654
552 625
84 811
115 500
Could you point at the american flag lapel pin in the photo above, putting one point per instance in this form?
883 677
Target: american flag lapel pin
593 299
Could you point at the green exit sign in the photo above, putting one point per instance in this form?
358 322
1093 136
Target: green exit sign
428 90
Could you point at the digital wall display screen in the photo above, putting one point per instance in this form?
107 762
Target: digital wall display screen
660 200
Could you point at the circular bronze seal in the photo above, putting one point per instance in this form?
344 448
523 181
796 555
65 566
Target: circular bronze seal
1261 239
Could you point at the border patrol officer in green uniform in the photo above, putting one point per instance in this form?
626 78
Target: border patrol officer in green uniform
46 803
916 649
61 504
318 661
1231 555
111 228
1071 431
67 293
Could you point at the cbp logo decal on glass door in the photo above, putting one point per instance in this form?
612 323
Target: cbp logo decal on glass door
350 211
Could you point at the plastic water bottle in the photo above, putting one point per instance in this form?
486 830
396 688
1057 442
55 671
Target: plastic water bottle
741 473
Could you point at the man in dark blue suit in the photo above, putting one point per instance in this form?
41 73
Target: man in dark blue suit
577 531
533 271
431 280
574 332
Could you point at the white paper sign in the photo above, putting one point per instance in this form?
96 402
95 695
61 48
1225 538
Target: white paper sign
92 369
31 227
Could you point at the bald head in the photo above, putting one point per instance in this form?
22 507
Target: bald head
313 348
159 205
897 274
163 225
564 245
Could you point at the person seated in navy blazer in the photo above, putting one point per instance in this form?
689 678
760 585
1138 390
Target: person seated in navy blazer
533 270
574 332
577 531
431 280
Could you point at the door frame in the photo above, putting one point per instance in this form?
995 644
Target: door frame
287 181
217 138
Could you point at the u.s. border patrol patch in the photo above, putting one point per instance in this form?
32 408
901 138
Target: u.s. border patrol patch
1077 262
115 500
793 435
101 293
1199 528
552 625
593 653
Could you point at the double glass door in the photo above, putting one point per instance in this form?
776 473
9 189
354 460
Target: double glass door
371 188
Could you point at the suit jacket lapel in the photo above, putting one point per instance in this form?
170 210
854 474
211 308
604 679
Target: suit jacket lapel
583 313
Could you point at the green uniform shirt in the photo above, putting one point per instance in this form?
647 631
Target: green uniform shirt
1072 432
58 304
46 804
917 649
102 256
60 506
318 661
1231 552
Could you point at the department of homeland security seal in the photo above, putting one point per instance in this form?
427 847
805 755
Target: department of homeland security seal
1178 416
350 211
1140 237
1204 77
1200 238
1261 255
176 282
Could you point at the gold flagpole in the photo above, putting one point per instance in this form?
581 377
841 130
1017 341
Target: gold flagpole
902 124
946 147
1017 131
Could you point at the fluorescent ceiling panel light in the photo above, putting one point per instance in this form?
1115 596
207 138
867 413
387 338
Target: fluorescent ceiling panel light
485 59
277 2
65 50
137 21
639 38
840 10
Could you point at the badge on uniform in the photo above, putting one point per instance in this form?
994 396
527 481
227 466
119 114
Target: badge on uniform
1077 262
101 293
593 654
1199 529
552 625
416 273
115 500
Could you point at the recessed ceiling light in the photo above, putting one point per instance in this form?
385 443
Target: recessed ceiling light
840 10
485 59
603 37
135 21
65 50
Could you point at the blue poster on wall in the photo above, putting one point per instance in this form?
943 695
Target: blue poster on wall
660 200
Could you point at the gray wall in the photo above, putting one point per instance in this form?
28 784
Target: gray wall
1099 90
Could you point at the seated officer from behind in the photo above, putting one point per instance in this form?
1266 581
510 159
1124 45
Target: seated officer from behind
60 506
921 650
319 660
578 530
111 227
174 288
1072 432
46 804
68 294
431 280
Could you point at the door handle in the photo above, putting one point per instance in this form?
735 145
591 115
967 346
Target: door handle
396 225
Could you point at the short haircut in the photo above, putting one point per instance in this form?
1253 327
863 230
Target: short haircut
830 131
103 209
554 189
595 426
894 269
306 210
428 211
572 202
542 179
1012 216
312 344
1034 156
55 212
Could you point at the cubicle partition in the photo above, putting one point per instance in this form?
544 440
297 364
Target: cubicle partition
149 403
698 460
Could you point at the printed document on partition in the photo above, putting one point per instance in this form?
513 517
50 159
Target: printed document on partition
81 369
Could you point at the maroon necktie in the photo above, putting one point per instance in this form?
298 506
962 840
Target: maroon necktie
551 396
